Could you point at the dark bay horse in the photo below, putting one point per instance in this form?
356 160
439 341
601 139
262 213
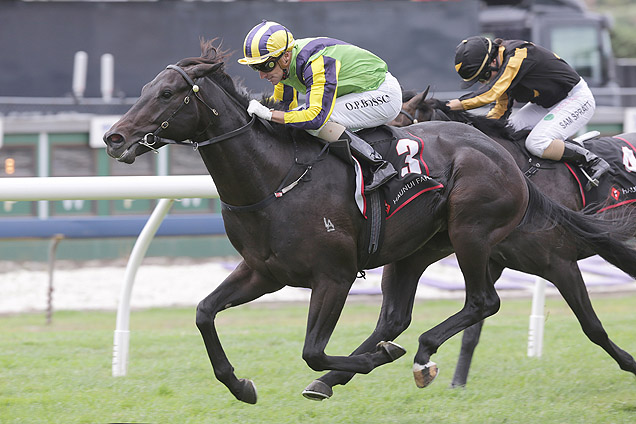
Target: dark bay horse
553 179
279 189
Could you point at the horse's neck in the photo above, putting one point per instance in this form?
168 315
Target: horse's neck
248 167
476 121
485 125
500 135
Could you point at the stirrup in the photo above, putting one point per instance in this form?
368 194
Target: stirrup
593 180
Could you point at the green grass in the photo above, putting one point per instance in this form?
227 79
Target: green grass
62 373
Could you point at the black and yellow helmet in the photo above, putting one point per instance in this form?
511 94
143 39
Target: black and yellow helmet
472 59
265 44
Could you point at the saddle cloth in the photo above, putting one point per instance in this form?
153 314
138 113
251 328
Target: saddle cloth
405 152
618 186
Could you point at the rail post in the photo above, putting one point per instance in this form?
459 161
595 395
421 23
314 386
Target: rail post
537 319
121 342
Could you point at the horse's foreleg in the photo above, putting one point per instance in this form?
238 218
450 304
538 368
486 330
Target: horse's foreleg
327 300
241 286
399 284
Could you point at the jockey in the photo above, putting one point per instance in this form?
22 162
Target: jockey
347 88
559 102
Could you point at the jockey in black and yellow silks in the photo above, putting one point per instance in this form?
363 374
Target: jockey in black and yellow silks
558 102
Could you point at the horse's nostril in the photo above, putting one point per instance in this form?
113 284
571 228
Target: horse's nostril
114 139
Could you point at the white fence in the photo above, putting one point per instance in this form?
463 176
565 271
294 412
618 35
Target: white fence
105 188
165 188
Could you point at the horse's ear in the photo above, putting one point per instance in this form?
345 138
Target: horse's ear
420 97
425 93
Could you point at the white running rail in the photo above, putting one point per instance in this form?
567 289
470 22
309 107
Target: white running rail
165 188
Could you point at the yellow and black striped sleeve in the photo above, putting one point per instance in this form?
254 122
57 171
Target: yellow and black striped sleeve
497 90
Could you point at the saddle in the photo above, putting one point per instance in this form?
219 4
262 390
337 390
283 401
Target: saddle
616 187
413 180
413 177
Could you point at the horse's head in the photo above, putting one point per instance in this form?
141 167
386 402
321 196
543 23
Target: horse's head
417 108
170 107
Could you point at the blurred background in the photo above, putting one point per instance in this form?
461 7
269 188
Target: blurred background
70 68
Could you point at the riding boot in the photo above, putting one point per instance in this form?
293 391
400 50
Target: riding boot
382 170
595 165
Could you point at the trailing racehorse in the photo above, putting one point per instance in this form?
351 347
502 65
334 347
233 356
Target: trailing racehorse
557 180
289 210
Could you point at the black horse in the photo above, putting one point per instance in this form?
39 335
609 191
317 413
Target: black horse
289 211
553 178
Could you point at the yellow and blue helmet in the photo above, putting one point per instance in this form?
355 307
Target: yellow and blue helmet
265 44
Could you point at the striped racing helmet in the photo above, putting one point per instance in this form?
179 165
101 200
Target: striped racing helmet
265 44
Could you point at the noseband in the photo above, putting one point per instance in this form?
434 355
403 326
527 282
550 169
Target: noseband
414 120
194 89
436 115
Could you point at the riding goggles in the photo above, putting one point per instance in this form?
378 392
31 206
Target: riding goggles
484 77
487 73
267 66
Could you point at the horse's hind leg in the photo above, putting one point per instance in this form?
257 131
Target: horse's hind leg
470 339
241 286
567 278
399 284
478 220
481 301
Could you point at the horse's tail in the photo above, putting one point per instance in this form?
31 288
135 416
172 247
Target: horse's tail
591 233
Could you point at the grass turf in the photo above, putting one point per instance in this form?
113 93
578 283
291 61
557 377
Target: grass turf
62 373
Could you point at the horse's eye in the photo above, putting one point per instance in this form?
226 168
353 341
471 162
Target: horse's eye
166 94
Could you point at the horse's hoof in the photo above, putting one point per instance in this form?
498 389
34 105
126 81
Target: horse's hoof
248 391
392 349
425 374
317 390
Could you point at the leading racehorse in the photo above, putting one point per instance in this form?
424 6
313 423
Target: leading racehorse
290 212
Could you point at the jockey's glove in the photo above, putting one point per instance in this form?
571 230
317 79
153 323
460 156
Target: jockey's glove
256 108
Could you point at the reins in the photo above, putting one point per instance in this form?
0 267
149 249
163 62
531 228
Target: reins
282 189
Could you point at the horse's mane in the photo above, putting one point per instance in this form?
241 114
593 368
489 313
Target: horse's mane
212 53
492 127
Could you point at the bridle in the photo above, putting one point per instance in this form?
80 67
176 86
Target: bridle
436 115
282 189
194 90
414 120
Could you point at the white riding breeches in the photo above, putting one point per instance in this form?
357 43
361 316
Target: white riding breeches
560 121
371 108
